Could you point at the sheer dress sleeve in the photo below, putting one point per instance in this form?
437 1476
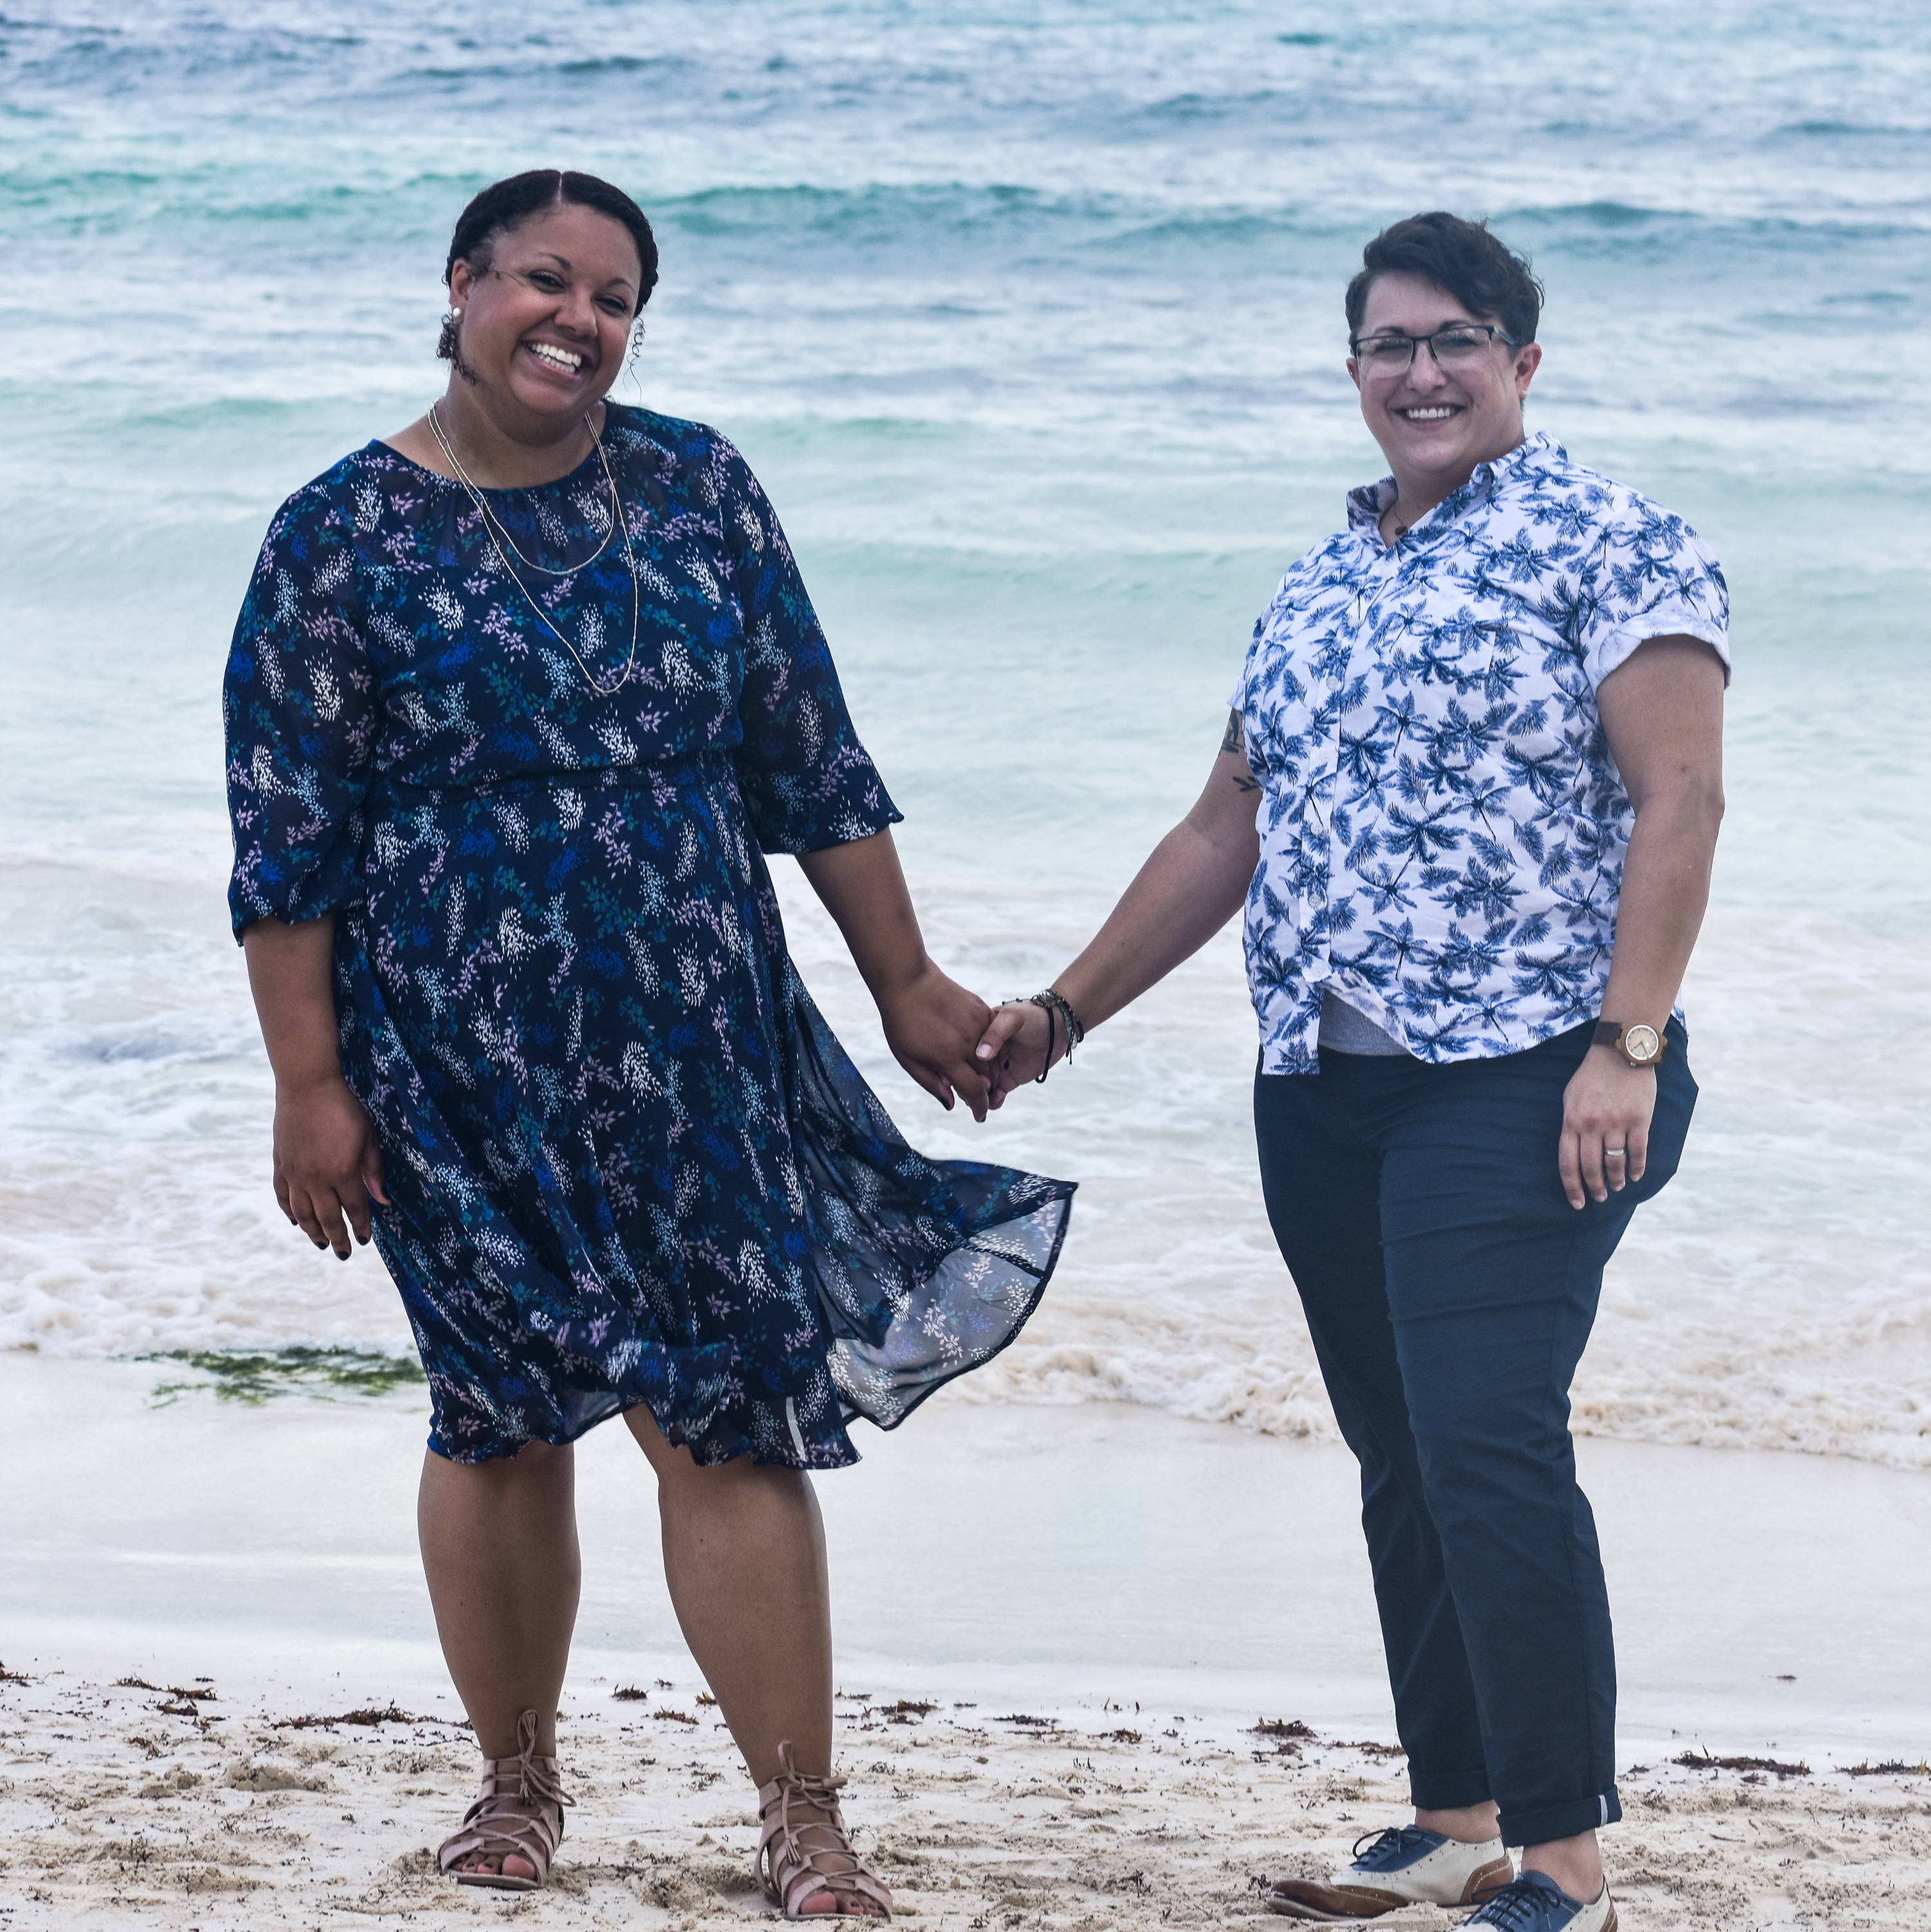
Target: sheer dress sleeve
299 710
807 780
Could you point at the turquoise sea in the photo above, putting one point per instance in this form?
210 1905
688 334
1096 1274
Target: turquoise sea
1030 318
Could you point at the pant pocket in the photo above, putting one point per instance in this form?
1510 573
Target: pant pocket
1676 1093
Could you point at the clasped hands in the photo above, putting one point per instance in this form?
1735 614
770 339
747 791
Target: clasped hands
955 1045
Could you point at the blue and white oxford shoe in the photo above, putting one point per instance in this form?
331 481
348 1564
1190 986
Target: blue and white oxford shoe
1405 1865
1536 1904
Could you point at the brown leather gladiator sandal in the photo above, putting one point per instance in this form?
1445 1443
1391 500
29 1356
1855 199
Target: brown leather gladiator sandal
798 1861
517 1814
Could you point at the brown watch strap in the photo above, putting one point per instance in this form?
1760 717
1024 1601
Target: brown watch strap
1609 1032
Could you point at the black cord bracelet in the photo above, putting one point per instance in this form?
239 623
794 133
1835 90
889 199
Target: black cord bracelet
1039 1079
1058 1013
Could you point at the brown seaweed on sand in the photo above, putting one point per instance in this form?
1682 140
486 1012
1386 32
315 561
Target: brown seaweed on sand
388 1713
1280 1727
1703 1761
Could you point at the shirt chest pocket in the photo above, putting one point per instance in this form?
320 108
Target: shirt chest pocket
1471 665
1480 716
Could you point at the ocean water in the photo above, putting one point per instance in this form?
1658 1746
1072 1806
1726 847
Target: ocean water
1030 318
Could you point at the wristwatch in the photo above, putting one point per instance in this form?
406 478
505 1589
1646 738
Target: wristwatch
1640 1045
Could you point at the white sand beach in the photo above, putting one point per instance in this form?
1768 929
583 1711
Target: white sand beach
121 1806
1059 1628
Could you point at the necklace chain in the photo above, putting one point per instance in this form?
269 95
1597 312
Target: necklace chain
500 529
602 690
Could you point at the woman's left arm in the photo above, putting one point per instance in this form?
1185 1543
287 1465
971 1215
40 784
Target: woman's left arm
1663 715
932 1024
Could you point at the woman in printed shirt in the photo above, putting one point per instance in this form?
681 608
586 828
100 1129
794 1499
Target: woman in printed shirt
1469 794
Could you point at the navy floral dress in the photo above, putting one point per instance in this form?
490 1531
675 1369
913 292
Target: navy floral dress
629 1162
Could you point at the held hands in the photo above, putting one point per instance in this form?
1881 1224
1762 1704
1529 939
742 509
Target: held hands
931 1024
327 1166
1014 1047
1607 1110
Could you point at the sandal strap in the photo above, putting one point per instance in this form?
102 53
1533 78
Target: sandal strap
813 1855
492 1826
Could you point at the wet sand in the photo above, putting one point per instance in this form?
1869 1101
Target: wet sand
1146 1588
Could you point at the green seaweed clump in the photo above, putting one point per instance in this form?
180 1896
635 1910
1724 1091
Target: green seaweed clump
256 1375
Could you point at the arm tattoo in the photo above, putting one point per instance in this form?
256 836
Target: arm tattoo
1235 740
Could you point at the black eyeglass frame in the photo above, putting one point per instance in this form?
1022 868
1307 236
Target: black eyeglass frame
1494 331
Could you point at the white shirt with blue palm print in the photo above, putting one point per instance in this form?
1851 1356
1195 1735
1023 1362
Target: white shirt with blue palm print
1442 827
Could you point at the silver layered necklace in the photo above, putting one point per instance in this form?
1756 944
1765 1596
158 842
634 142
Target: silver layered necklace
501 542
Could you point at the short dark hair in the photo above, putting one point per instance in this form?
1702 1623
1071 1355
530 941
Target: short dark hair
1488 278
508 204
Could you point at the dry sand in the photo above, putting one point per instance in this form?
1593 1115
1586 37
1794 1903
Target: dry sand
128 1805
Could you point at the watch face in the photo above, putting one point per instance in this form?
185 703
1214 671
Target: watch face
1641 1043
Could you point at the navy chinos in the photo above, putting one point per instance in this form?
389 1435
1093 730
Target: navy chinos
1449 1289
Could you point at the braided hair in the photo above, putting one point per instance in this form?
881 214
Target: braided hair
508 203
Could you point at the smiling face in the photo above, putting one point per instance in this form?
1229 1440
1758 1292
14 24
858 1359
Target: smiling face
546 321
1434 425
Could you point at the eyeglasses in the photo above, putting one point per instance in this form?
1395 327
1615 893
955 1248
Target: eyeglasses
1456 346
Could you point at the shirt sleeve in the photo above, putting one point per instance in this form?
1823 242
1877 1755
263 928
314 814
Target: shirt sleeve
300 716
1236 698
1242 695
807 782
1652 576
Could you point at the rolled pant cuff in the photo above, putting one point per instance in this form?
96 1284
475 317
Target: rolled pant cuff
1539 1824
1447 1790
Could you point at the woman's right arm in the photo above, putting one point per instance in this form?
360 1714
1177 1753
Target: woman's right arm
1194 881
300 717
327 1167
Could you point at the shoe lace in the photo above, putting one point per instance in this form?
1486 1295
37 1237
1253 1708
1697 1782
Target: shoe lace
1390 1845
1515 1907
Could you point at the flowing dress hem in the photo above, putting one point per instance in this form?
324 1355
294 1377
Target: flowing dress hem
696 1435
1061 1208
618 1404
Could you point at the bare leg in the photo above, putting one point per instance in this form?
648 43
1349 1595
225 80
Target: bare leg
499 1548
1466 1824
744 1555
1574 1864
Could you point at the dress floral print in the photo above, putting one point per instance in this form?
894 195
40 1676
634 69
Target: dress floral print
1442 827
629 1161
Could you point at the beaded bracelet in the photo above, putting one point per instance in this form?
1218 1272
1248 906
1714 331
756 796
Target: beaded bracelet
1070 1020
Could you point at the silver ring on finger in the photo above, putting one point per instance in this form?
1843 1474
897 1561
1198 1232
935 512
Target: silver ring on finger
1615 1153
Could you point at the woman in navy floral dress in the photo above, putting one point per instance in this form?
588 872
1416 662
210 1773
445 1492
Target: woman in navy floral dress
517 701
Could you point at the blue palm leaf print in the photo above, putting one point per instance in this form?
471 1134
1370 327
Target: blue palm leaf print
1442 827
